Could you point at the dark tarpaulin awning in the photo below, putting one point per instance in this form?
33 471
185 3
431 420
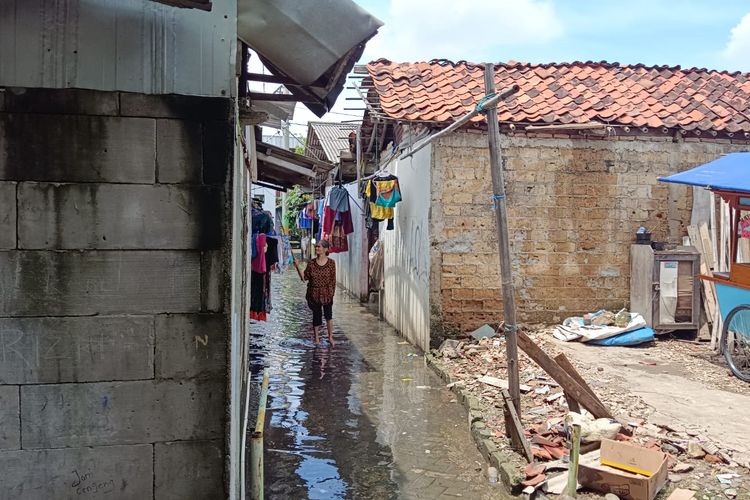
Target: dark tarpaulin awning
728 173
313 43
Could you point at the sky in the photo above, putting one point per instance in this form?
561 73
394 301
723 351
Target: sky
690 33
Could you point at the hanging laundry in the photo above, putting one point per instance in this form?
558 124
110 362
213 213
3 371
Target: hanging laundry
262 222
338 199
258 263
382 194
337 219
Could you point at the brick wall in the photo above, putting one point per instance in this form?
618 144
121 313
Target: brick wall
113 333
574 205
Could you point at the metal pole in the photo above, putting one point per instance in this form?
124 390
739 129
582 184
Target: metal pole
256 444
501 218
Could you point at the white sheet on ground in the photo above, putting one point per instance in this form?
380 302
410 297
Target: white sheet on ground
574 329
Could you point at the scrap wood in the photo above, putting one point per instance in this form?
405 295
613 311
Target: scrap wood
566 365
566 381
500 383
517 432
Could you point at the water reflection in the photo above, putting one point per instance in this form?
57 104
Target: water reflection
318 442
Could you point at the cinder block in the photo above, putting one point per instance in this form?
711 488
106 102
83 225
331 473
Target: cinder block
189 471
179 151
10 427
122 472
212 281
218 150
70 349
7 215
118 216
191 345
61 101
69 148
110 413
38 283
175 106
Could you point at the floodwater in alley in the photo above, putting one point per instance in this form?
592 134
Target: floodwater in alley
365 419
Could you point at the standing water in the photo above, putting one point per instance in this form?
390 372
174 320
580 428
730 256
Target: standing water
362 419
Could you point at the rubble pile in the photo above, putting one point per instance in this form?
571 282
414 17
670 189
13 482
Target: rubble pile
480 366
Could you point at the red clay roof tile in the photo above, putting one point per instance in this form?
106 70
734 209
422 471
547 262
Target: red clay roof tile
568 93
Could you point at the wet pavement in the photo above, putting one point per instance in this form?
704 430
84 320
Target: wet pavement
365 419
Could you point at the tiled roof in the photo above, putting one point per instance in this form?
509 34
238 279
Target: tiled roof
332 138
565 93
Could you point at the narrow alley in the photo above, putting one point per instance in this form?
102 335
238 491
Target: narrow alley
363 419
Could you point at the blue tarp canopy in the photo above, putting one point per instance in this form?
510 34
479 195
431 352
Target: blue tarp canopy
729 173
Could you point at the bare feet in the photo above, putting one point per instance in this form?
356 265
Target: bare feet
330 340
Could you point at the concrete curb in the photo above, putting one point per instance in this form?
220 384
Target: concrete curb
504 459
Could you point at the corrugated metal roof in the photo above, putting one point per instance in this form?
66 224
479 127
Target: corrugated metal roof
314 43
126 45
283 168
329 137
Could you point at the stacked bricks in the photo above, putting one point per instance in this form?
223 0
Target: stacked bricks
574 205
113 332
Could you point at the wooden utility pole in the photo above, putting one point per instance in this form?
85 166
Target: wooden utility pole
501 218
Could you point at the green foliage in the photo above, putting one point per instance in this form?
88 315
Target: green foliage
295 200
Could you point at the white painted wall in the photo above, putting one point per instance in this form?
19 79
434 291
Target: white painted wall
126 45
349 264
407 252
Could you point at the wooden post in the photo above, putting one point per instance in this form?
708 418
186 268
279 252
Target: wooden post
575 453
501 219
256 444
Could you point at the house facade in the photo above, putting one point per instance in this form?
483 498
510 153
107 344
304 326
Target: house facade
582 146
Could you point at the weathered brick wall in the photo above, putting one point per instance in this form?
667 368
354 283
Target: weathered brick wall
113 332
574 205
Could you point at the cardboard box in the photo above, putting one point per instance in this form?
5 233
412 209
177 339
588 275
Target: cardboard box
631 472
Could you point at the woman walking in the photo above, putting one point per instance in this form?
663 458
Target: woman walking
320 274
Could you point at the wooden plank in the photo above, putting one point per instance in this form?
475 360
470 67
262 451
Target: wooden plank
707 246
517 435
566 365
567 382
501 384
709 296
715 315
641 281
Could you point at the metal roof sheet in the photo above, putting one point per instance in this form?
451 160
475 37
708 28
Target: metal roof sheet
332 138
313 43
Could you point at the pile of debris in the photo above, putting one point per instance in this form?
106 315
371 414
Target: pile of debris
554 395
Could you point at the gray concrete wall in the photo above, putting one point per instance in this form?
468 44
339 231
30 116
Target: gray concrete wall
113 327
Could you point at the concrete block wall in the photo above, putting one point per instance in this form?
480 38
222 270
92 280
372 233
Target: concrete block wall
113 327
574 205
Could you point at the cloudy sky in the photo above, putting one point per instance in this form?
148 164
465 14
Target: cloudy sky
700 33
